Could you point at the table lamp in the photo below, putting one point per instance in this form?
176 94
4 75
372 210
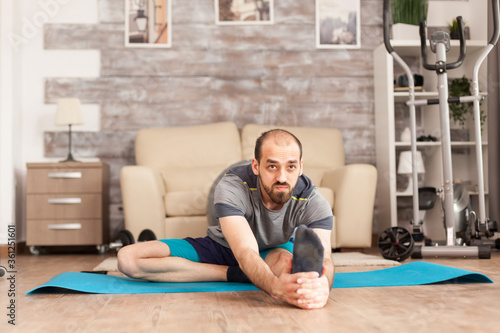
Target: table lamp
405 168
69 113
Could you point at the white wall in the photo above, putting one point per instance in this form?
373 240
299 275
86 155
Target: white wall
474 13
23 106
7 183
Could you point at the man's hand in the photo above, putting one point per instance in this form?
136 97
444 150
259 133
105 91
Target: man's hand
304 290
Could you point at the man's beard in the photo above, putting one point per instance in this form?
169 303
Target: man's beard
278 197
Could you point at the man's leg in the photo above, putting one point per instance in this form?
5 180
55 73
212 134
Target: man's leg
153 261
278 260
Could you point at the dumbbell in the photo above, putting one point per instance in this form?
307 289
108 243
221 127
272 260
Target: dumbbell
125 237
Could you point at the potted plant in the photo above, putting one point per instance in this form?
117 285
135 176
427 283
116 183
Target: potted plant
406 16
459 112
453 26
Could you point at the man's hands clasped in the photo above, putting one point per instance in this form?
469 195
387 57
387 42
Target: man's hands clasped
305 290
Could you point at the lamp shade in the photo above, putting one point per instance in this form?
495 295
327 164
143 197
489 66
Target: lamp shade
405 163
141 21
69 112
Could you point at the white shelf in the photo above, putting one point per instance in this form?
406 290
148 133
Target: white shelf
412 47
424 144
390 120
409 195
403 96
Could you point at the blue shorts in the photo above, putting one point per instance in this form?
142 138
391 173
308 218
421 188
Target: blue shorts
205 250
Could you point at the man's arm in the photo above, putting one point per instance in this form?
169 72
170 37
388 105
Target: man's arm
246 251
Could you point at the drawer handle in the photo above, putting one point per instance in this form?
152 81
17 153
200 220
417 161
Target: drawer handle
65 175
64 201
65 226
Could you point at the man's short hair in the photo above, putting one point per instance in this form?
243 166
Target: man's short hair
263 136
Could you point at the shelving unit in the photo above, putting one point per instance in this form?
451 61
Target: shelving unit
391 117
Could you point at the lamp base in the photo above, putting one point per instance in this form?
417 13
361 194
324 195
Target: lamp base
409 188
69 158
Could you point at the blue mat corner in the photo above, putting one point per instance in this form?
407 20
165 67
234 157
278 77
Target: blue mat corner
414 273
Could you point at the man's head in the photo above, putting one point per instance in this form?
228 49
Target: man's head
278 163
279 134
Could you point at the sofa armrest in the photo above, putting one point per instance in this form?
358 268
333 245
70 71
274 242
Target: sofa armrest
142 194
354 188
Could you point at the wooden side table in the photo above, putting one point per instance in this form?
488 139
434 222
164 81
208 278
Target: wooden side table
67 204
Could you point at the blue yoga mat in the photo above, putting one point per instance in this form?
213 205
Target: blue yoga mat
415 273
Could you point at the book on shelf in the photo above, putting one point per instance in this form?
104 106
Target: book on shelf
403 89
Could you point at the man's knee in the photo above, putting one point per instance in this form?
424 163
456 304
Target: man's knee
284 257
278 257
127 261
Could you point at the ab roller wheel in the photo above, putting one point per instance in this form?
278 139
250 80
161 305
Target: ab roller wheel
395 243
3 271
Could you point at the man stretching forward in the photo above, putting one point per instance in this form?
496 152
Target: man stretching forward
258 206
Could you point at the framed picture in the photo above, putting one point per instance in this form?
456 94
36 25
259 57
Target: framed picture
148 23
232 12
337 24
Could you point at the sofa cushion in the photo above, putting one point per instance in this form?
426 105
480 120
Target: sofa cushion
192 146
186 203
182 227
328 194
315 174
194 178
187 189
322 147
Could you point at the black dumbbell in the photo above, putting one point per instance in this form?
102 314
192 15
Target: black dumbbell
125 237
146 235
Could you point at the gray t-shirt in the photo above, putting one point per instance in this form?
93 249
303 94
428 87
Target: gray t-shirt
238 194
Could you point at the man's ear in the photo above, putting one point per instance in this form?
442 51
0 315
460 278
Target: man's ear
255 167
301 166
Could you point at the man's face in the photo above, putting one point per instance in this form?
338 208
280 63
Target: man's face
278 170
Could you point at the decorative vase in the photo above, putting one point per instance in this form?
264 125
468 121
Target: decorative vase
405 135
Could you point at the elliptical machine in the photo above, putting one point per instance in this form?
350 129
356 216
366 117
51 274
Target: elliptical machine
397 243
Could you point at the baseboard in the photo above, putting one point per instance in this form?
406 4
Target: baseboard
20 249
354 249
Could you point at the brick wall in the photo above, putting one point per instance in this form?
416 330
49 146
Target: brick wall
270 74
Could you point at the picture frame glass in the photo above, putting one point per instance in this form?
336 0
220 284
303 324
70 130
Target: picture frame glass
244 12
148 23
338 24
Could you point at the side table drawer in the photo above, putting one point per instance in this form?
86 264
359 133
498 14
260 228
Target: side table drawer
67 206
61 180
63 232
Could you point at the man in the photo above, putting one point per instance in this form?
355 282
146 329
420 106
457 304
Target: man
258 206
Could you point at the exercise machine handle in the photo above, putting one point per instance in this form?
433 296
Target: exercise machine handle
496 31
423 46
387 32
387 28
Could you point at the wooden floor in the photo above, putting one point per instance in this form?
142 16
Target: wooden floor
433 308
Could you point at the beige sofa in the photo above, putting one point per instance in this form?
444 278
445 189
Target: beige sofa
168 188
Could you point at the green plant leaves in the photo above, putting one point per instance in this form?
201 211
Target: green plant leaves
460 111
409 11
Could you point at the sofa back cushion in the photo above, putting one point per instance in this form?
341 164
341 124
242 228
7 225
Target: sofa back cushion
323 148
188 147
189 159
